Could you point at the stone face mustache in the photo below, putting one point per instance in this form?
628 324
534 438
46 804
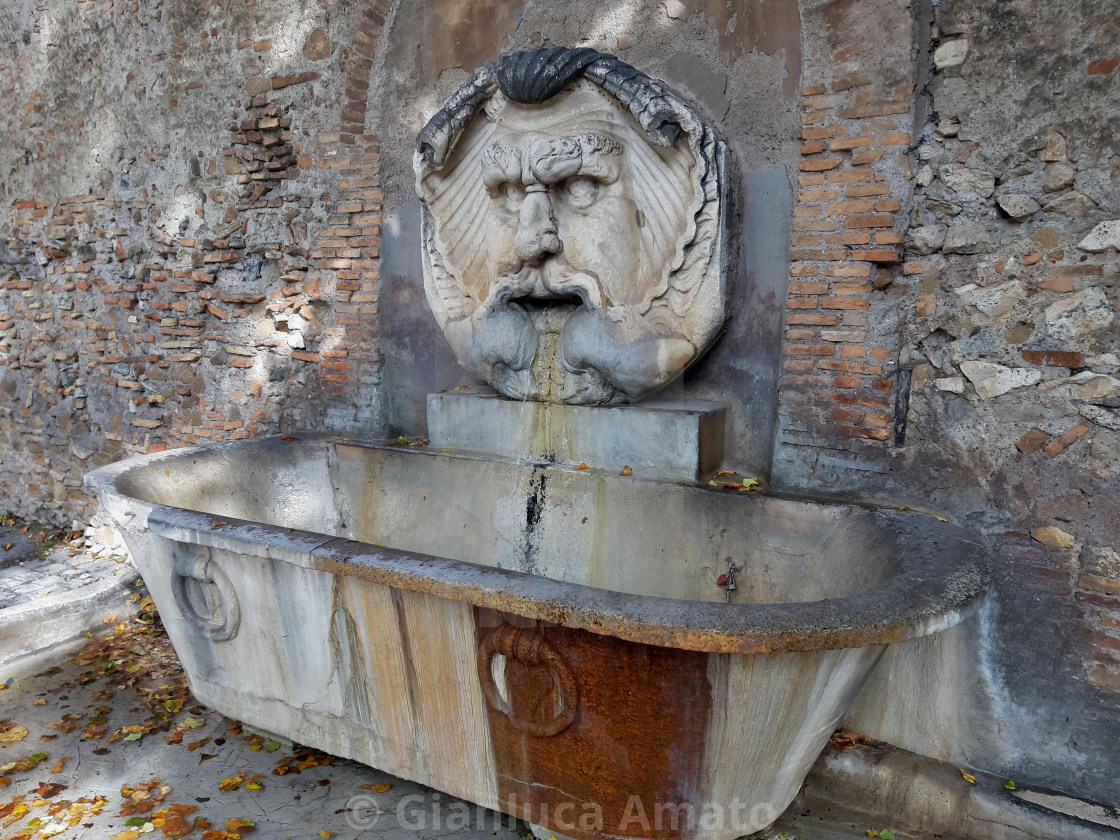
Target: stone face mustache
503 330
551 280
611 342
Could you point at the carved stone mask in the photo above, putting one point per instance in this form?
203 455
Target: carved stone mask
574 233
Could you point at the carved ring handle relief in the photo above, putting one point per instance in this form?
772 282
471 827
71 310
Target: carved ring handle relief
527 645
203 593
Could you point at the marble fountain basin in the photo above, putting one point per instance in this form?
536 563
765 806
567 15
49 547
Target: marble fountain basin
545 641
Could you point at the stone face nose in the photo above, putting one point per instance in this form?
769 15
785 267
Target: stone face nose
537 236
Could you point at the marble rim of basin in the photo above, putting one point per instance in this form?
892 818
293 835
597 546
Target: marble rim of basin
492 684
921 598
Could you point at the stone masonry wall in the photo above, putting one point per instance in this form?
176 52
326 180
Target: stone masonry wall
991 309
192 228
1013 277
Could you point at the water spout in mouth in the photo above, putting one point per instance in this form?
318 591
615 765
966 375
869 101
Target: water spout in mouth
551 283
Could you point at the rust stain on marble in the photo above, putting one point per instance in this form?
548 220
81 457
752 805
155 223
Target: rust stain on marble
640 726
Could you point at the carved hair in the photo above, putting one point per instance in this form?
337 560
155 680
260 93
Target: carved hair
534 76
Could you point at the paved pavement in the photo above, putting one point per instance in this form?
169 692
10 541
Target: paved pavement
27 579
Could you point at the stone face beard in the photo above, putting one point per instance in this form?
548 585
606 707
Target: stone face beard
560 247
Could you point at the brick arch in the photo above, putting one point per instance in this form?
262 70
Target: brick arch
346 253
352 130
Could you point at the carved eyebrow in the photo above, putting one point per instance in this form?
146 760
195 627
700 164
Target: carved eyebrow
596 144
602 157
594 155
500 163
558 158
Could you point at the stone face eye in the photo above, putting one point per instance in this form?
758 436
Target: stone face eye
512 195
582 191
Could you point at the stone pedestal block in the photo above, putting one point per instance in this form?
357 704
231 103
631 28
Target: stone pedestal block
670 440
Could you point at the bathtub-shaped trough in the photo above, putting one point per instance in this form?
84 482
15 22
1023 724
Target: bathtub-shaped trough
544 641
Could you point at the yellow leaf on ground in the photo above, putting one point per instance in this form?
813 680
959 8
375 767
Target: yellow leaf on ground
227 785
11 733
968 777
16 813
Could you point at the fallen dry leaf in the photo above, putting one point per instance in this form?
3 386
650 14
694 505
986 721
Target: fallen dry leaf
11 733
45 791
29 763
227 785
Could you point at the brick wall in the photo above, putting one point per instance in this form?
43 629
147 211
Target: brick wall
193 211
838 385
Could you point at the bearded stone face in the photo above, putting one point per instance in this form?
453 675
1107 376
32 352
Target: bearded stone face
555 234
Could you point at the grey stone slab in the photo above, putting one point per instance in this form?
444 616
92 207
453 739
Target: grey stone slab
657 441
36 623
